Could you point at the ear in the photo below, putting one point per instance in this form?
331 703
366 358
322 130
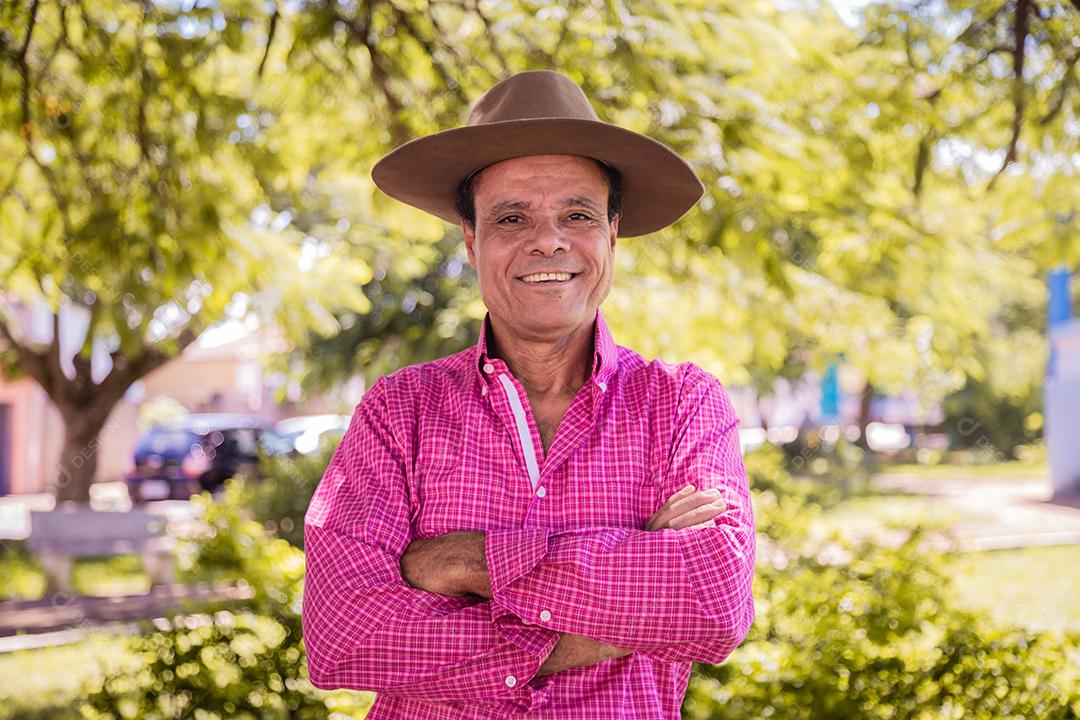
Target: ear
613 228
469 233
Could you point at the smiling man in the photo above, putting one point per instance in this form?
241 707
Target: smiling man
546 525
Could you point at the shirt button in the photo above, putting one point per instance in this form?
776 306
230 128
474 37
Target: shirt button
545 615
603 386
541 491
489 368
511 681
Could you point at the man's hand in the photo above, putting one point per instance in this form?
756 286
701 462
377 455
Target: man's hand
450 564
688 508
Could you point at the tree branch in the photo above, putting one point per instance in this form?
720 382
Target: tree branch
378 73
1020 34
430 49
1062 89
24 71
269 39
125 372
144 84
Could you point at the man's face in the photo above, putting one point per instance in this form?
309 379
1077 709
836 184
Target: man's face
542 214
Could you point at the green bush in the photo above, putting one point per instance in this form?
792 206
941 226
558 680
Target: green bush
864 631
280 497
23 577
842 631
228 665
246 663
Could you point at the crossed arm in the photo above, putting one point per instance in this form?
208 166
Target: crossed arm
455 564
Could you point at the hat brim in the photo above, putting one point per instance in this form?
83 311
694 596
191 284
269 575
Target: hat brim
658 186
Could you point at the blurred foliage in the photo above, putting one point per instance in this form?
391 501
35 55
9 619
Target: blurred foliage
980 417
44 683
891 190
115 575
24 578
843 630
238 663
228 665
280 497
859 630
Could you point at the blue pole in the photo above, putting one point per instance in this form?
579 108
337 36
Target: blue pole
830 395
1058 308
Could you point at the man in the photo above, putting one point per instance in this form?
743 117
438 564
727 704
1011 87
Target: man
517 530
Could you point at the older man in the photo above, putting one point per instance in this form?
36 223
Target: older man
546 525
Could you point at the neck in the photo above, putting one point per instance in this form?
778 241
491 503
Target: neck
546 367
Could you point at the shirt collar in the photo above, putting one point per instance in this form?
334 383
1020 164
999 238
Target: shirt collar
605 355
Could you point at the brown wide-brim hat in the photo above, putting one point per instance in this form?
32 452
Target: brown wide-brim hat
540 113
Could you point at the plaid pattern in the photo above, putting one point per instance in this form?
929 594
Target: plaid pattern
451 445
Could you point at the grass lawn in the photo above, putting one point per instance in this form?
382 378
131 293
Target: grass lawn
1033 587
1019 470
861 516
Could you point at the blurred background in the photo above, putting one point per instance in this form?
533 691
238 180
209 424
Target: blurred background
198 279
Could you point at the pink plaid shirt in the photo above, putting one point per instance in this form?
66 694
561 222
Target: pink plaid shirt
452 445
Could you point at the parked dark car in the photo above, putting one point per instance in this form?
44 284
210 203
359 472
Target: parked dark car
199 452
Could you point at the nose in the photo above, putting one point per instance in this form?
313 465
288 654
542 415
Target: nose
547 238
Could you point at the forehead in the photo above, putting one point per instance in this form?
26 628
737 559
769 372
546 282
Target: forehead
569 174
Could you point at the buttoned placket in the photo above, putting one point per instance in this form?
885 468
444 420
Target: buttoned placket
500 385
538 465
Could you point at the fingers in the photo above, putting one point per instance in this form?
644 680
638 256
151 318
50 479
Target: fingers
699 514
661 515
707 523
684 502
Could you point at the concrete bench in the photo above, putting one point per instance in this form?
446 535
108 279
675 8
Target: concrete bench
59 536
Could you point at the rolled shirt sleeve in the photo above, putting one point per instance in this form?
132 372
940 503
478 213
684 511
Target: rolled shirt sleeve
673 595
364 627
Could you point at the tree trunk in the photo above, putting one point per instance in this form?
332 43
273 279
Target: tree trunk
85 405
79 454
864 415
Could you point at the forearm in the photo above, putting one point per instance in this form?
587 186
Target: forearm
454 564
578 651
596 582
366 630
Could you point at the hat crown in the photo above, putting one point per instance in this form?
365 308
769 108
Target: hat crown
532 95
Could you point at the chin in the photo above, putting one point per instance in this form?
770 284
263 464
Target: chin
544 323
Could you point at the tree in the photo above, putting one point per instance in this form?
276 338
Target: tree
130 166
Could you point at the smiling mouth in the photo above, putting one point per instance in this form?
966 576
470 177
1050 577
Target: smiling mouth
548 277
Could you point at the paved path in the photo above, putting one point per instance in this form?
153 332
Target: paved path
1006 512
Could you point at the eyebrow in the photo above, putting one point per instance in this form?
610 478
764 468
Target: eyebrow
509 205
580 202
522 205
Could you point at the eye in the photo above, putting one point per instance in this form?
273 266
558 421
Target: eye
509 220
580 216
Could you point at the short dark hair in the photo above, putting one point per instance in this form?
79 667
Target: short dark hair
465 203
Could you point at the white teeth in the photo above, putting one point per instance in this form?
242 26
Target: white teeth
543 277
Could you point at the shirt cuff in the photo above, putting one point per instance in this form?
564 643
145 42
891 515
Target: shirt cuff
536 644
513 552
